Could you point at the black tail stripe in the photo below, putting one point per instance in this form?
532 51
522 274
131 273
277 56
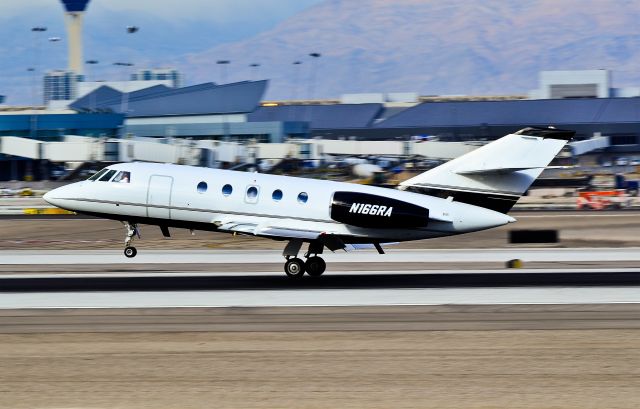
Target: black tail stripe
499 203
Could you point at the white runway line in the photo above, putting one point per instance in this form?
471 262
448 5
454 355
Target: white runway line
43 257
337 298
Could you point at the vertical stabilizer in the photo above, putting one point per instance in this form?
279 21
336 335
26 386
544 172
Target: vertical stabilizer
497 174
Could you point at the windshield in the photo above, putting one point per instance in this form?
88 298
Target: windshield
97 175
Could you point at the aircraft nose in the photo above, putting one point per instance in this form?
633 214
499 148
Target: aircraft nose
58 195
47 197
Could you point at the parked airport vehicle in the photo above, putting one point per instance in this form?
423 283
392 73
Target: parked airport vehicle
603 200
473 192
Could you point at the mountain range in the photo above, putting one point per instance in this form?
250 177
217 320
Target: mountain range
432 46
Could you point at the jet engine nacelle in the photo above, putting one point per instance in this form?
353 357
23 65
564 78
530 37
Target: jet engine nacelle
373 211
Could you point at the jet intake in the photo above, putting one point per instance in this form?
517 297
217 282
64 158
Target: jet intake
376 212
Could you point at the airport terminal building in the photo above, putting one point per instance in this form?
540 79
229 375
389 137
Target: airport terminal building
236 113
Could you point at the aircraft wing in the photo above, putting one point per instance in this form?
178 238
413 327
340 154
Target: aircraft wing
330 241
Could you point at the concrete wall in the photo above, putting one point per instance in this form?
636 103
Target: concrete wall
337 147
574 83
442 150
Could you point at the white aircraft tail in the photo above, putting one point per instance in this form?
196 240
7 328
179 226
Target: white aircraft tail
495 175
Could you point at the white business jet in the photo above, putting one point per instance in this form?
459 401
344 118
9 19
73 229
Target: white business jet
473 192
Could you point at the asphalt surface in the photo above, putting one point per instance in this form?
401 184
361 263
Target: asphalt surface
288 319
152 334
506 356
342 280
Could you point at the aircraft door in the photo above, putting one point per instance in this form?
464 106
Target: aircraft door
159 197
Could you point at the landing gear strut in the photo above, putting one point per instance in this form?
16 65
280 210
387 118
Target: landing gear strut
294 267
132 231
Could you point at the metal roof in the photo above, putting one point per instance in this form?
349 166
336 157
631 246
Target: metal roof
533 112
342 116
202 99
106 101
93 101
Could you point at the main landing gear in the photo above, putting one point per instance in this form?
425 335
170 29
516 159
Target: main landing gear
294 267
132 231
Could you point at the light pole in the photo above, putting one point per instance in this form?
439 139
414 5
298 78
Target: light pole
254 68
93 96
91 62
54 40
223 75
36 63
37 31
223 70
125 95
312 76
296 80
312 84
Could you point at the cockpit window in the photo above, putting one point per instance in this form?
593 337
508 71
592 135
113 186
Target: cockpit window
123 177
107 176
97 175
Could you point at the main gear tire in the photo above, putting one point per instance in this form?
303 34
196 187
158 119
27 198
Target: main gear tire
294 268
315 266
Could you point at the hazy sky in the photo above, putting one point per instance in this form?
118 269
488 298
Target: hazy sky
202 10
168 28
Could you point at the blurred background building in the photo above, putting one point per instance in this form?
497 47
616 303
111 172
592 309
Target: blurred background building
61 85
159 74
151 115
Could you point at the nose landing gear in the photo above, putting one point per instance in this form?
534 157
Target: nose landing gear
130 252
132 231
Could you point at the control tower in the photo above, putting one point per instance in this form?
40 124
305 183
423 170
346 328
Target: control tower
74 11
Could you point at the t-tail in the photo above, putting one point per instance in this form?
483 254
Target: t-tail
495 175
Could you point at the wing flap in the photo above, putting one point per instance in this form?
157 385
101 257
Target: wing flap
504 170
289 233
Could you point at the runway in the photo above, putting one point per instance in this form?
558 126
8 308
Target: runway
106 279
187 257
411 329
